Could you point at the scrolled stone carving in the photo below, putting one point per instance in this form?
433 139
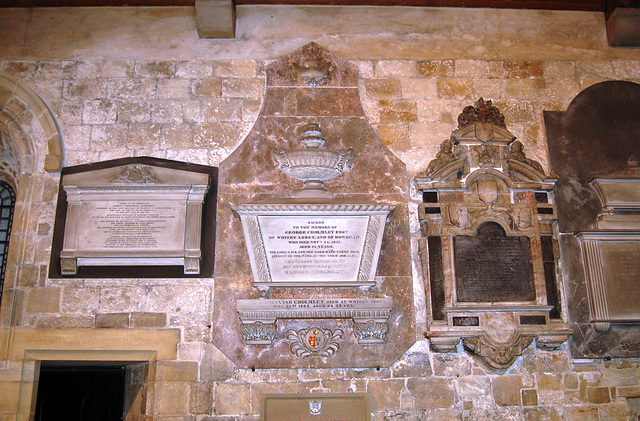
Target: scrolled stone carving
516 152
314 342
136 173
498 354
482 111
259 333
370 331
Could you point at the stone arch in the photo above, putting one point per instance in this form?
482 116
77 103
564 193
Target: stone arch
31 145
30 124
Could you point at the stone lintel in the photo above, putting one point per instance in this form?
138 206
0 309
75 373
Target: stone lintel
623 27
216 18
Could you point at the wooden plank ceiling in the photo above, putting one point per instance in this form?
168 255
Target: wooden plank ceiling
587 5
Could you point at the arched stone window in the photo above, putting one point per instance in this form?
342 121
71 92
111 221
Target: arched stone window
7 204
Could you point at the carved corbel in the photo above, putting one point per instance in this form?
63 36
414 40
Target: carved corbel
497 354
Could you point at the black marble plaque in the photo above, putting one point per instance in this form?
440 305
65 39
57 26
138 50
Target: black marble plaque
491 266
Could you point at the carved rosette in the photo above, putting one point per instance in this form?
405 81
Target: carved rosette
498 354
370 332
259 333
314 342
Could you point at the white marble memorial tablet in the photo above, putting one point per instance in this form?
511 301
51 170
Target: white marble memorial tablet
613 276
312 244
133 215
313 247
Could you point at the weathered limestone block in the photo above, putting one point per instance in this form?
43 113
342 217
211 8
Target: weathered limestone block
191 69
132 88
171 398
207 87
155 69
233 398
43 300
200 398
455 88
176 136
242 68
385 394
381 89
432 392
436 68
419 88
99 112
148 320
242 88
112 320
173 88
506 390
118 68
395 68
177 371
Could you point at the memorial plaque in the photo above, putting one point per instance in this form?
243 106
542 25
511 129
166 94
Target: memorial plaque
613 276
135 214
491 266
314 244
313 247
316 407
622 271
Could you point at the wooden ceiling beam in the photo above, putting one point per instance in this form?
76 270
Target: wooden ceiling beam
586 5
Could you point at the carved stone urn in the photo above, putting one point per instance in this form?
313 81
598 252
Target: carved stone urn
313 165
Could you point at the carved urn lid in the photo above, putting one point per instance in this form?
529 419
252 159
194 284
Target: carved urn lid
312 164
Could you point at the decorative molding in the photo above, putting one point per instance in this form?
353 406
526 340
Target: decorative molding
496 354
136 173
314 342
24 105
258 333
370 315
481 112
259 256
303 208
370 332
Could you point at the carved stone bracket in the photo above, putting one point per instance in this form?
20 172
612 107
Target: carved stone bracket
495 353
370 316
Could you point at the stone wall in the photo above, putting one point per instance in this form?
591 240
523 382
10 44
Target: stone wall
150 88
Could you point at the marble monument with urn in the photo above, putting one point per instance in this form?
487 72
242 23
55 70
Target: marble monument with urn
314 267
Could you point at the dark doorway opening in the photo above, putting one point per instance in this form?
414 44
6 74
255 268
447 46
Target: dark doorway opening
80 392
